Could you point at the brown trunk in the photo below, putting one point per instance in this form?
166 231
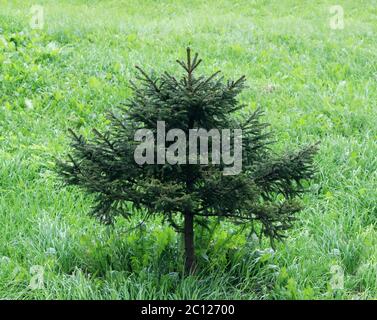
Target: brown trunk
189 243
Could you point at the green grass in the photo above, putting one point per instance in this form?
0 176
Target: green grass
315 83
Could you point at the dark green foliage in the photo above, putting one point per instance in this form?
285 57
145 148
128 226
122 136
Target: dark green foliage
262 196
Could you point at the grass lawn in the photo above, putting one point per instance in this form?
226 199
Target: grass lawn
314 83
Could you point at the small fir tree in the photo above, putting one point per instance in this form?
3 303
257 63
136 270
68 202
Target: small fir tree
262 196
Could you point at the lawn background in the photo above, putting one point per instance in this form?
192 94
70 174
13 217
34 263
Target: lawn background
314 83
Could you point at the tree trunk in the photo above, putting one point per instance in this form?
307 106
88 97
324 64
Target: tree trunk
189 243
189 216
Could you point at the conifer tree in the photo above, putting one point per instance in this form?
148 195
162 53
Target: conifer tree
263 196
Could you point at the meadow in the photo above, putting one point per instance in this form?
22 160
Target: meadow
315 83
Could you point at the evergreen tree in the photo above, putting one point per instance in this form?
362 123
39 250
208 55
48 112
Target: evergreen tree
263 195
